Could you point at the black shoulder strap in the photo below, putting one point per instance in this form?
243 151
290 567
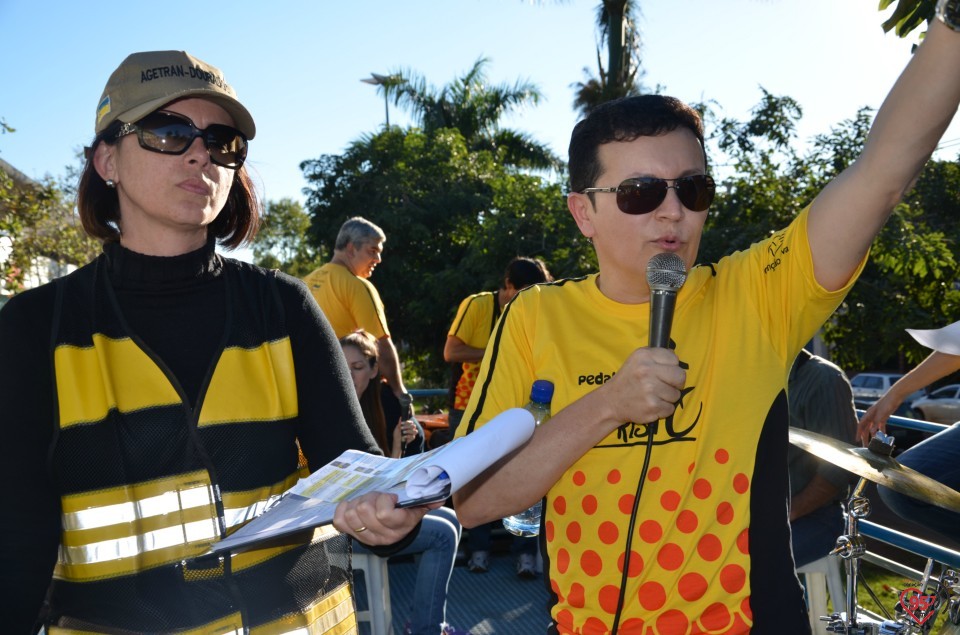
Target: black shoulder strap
496 310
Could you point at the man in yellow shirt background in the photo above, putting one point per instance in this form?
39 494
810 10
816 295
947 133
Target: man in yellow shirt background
349 300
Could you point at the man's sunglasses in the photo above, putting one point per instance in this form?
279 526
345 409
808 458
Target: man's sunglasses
643 195
168 133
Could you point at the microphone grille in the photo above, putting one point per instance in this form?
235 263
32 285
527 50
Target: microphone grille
666 272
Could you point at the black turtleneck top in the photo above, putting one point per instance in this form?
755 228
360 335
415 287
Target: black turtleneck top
177 306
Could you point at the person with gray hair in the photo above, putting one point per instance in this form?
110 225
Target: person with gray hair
350 301
358 231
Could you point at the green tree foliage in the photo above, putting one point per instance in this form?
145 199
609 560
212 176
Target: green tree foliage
39 223
456 209
908 280
282 241
453 217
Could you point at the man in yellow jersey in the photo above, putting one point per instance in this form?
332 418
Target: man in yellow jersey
466 341
475 319
350 301
663 470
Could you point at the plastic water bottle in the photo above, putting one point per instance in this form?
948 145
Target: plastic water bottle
527 523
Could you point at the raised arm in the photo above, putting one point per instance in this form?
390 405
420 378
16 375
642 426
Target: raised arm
848 214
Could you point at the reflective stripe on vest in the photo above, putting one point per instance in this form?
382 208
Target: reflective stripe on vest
332 615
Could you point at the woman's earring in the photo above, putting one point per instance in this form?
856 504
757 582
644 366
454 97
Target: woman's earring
111 183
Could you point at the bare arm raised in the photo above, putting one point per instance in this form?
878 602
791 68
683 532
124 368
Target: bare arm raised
847 215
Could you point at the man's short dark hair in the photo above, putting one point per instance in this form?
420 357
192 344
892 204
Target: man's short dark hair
522 272
625 119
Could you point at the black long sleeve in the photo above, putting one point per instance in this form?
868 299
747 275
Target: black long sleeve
30 509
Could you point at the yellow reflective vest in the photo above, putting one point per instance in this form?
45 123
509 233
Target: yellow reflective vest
148 482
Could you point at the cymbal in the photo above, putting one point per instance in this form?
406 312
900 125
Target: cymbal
882 470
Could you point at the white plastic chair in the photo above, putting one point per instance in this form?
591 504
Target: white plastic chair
376 580
820 577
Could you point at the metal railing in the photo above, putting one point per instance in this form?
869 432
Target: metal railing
910 543
912 424
428 392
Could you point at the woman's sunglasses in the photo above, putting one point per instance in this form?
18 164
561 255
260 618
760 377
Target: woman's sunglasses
643 195
167 133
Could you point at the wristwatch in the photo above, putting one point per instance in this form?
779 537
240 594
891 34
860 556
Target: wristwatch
948 12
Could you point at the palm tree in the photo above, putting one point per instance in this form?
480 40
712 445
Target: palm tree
472 106
618 29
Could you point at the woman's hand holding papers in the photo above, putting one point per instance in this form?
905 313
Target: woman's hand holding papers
374 518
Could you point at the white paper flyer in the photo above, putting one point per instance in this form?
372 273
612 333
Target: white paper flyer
416 480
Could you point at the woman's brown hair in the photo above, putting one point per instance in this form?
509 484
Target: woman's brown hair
99 206
370 403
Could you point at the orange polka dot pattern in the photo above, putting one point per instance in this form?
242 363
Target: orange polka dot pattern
688 569
461 395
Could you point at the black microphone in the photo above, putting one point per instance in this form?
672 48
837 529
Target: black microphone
666 273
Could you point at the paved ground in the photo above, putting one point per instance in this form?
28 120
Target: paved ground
493 603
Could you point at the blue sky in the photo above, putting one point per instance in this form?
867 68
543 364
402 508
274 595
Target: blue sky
297 64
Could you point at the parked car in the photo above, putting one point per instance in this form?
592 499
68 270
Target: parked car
868 387
940 406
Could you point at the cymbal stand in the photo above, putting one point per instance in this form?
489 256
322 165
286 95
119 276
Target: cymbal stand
850 547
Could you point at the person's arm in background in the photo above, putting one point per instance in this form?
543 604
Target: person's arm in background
848 214
455 350
936 366
390 366
818 492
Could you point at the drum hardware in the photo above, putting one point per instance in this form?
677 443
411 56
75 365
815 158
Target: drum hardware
875 463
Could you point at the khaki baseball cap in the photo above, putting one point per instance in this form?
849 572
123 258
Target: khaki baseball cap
145 82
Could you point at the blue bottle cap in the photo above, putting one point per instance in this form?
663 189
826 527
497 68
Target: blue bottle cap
541 391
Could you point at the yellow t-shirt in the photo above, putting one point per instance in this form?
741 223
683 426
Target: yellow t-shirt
348 301
473 324
710 548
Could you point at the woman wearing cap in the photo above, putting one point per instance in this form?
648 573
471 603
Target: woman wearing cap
155 399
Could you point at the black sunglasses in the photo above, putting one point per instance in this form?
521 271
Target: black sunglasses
643 195
168 133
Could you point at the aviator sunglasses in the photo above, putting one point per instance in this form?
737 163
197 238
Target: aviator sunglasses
167 133
643 195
